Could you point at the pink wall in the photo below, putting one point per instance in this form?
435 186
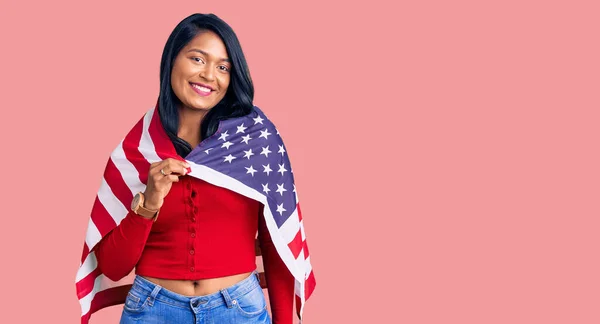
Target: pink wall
446 153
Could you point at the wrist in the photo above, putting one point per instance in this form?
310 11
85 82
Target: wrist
150 208
147 203
142 218
139 206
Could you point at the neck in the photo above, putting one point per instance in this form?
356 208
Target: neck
189 125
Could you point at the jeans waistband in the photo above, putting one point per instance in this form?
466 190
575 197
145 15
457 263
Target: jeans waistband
224 296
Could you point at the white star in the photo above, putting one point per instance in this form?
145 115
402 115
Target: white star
294 187
267 169
224 136
248 154
282 168
265 151
229 158
206 151
258 120
246 138
226 144
251 170
264 134
280 189
280 209
266 188
241 129
277 131
281 150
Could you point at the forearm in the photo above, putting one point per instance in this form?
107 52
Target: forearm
120 250
280 281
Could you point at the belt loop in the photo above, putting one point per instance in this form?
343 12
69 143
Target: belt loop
153 295
227 298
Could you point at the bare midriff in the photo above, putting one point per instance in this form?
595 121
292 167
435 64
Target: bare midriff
200 287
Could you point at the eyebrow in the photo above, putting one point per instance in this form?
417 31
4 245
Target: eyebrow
206 54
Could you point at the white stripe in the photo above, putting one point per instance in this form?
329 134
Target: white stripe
297 287
92 235
111 203
289 229
301 263
302 230
102 283
302 299
299 291
86 301
127 170
87 267
308 267
280 237
222 180
146 145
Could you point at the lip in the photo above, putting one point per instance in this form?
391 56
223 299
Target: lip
203 85
204 94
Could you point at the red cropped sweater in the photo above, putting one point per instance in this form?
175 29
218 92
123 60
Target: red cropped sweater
202 231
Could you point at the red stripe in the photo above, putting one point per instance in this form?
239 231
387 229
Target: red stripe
101 218
85 319
117 185
299 212
162 143
85 285
86 251
305 248
298 305
131 143
296 245
106 298
309 285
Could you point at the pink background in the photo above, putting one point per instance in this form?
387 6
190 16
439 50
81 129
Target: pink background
446 152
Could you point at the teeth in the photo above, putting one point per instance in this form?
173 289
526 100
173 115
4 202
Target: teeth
203 89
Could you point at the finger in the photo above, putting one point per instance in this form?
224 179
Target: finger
177 167
153 168
174 162
157 166
166 170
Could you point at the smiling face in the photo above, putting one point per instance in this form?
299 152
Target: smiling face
201 72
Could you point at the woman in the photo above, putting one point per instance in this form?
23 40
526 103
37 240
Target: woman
190 242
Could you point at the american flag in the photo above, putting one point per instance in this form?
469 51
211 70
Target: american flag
245 155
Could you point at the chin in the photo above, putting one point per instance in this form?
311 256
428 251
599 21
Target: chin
201 106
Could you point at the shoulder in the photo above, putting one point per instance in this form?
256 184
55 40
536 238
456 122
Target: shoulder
255 124
260 117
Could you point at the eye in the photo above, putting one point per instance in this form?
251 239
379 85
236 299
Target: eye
224 68
197 59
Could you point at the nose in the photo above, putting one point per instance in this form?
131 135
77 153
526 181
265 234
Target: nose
207 73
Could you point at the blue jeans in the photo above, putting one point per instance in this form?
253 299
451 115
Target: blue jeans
149 303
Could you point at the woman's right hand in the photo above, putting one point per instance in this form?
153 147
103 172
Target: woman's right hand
159 185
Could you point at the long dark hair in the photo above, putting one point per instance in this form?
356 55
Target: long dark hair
240 93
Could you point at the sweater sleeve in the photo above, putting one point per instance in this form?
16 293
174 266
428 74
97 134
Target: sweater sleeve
280 281
119 251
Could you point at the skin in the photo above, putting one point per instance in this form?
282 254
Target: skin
203 60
